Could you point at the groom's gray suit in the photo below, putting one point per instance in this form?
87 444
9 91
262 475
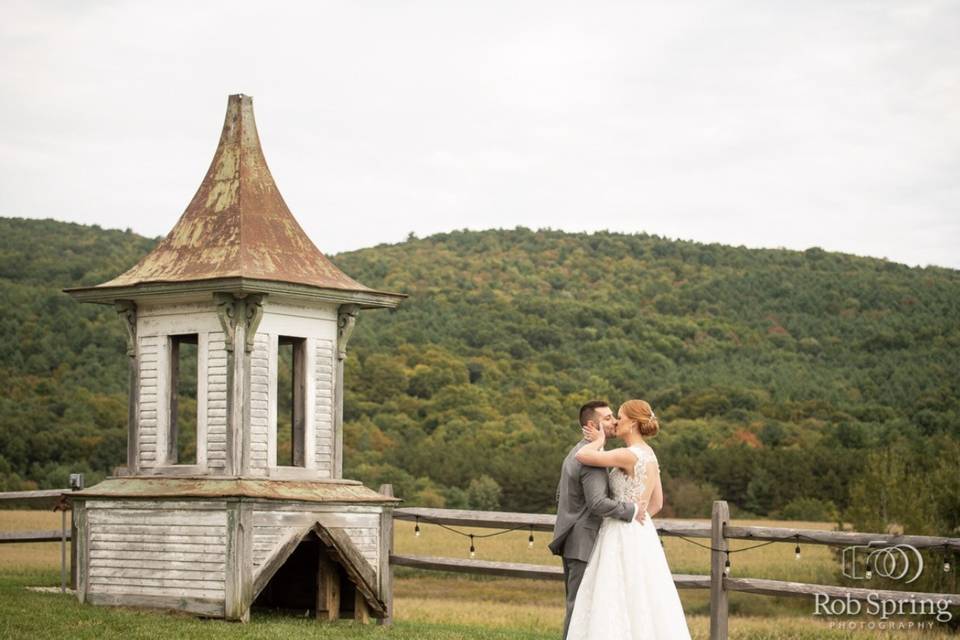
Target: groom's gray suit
582 503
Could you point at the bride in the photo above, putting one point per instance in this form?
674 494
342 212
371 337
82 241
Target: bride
627 590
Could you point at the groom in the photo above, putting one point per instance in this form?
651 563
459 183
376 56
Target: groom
582 503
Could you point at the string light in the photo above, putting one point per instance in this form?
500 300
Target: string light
869 574
473 549
530 539
726 565
796 551
946 559
416 528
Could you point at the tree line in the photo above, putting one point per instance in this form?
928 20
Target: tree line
779 376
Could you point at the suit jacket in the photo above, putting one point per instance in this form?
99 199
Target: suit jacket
582 503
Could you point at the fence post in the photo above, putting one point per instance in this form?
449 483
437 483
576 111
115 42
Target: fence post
386 550
719 606
76 484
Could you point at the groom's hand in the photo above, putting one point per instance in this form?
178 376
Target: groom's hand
641 511
591 434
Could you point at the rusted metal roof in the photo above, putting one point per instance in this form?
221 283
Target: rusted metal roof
340 491
237 225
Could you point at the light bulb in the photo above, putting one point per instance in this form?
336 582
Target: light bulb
946 566
869 574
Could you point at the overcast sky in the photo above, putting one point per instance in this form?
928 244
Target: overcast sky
824 123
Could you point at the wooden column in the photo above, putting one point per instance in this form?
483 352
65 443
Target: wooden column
81 548
361 613
238 590
719 605
386 550
127 310
328 589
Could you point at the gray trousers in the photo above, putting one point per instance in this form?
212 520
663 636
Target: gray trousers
572 575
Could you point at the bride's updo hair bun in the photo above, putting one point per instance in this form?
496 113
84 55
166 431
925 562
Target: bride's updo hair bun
640 411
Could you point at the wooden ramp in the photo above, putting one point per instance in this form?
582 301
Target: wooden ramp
338 558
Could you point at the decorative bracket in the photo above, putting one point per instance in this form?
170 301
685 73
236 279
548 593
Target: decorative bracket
227 314
127 310
253 314
230 308
346 320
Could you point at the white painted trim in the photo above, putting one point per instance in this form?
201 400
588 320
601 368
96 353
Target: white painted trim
274 346
163 401
310 395
202 381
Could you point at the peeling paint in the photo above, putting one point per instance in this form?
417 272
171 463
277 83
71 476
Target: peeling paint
237 224
344 491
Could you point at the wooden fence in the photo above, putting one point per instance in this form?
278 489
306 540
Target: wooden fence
719 532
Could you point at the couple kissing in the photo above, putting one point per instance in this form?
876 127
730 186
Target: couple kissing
618 583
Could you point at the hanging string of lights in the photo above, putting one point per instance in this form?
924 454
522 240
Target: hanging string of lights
947 552
472 536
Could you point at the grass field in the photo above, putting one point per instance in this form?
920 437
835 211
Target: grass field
428 605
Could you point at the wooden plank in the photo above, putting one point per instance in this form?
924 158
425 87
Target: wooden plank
190 580
47 498
233 605
517 569
98 536
719 605
160 505
150 565
358 568
328 590
539 521
302 519
480 567
299 383
154 518
125 589
81 549
800 589
146 529
166 547
201 606
386 550
119 554
361 612
839 538
52 535
246 554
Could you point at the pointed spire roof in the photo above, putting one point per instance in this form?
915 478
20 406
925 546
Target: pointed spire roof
238 227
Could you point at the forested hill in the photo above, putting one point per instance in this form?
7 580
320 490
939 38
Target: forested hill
774 372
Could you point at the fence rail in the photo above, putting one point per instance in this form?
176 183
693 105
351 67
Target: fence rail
718 530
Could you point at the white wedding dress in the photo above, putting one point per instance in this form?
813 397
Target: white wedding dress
627 590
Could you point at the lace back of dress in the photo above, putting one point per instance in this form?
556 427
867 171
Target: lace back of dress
625 488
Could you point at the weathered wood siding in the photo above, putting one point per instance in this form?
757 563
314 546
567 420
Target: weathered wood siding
323 369
273 525
147 355
260 383
216 401
158 549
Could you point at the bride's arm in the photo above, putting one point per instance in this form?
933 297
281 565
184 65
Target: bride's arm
591 455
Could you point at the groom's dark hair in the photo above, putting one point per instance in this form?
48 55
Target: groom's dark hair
588 411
